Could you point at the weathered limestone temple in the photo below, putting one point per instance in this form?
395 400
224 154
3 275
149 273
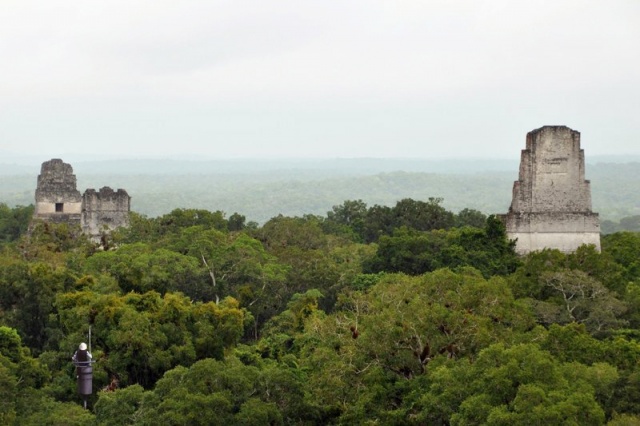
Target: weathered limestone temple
551 206
58 200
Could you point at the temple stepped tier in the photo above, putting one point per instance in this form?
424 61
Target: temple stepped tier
551 206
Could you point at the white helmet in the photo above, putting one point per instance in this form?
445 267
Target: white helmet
83 346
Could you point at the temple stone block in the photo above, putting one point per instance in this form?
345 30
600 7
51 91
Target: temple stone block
551 205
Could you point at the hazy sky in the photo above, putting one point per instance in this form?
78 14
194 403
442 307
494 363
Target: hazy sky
322 78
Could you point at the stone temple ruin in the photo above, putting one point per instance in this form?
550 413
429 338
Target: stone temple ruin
551 206
96 212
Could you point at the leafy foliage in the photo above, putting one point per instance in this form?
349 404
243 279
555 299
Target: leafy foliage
414 252
141 336
409 314
14 221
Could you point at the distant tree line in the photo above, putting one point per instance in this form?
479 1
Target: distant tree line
261 194
630 223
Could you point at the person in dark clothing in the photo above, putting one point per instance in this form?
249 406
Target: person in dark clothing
82 357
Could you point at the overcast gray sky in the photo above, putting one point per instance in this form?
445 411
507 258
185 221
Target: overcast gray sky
298 78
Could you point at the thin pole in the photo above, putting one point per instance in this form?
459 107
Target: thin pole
89 339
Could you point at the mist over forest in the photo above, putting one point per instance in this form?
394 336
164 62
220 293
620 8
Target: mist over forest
314 230
262 189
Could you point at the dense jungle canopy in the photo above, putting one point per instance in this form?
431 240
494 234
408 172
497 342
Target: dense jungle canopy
408 314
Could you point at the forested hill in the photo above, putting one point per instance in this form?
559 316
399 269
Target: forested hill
261 190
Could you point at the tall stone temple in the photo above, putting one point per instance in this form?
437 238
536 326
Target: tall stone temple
551 206
59 201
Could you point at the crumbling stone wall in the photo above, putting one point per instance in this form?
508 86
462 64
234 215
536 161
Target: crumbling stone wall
551 205
58 200
104 210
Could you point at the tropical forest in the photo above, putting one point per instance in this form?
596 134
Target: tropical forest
401 314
